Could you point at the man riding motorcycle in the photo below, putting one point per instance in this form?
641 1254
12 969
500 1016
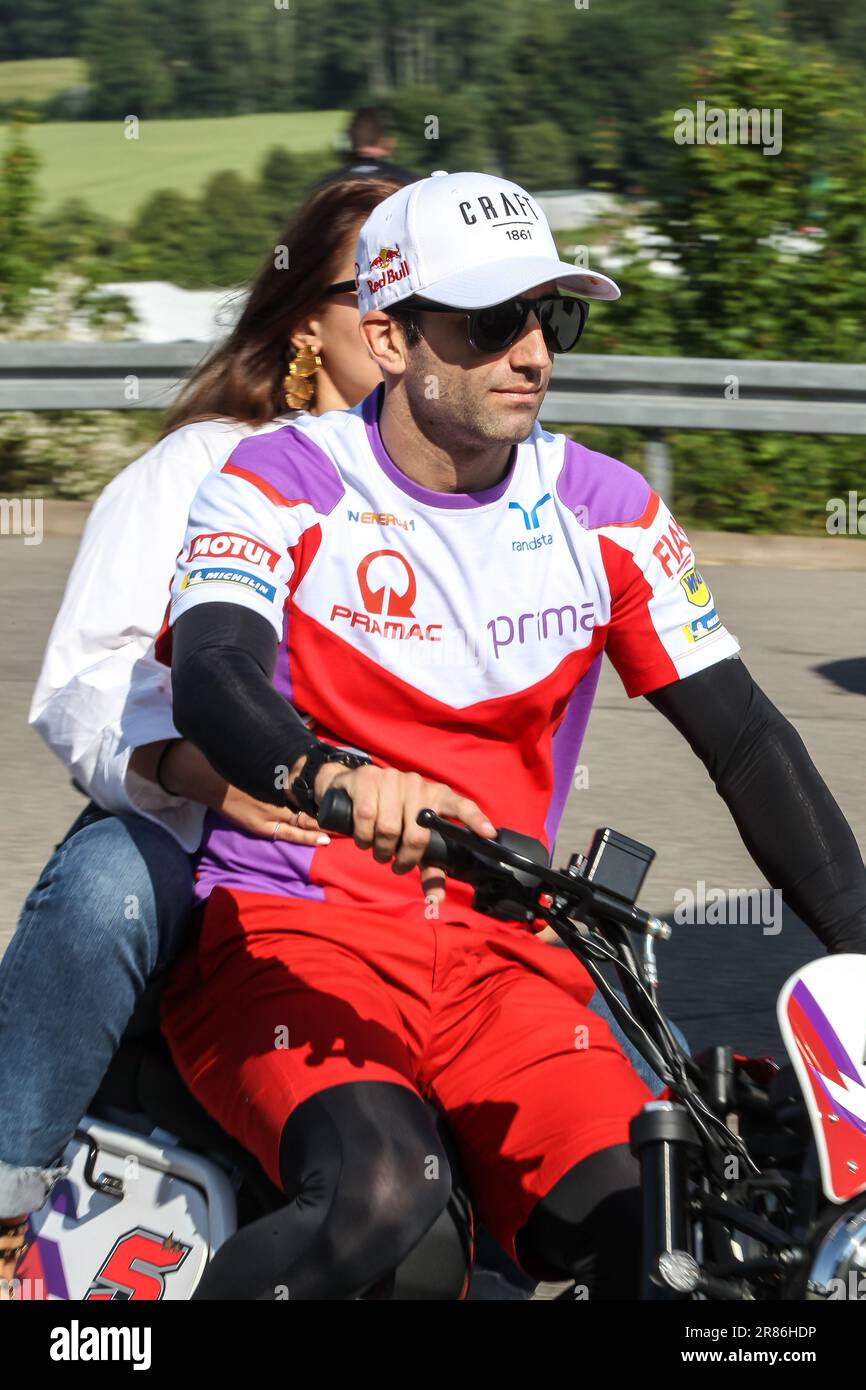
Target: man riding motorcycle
433 579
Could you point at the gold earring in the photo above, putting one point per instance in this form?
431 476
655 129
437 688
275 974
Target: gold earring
297 384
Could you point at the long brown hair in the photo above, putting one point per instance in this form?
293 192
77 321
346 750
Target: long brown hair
242 379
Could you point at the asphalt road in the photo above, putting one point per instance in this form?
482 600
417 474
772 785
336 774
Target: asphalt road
803 634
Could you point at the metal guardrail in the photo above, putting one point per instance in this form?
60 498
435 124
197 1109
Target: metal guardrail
653 394
711 393
94 376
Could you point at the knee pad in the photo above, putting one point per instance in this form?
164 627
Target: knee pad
439 1266
588 1227
365 1176
370 1156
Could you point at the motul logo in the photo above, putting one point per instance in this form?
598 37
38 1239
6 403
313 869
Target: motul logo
222 544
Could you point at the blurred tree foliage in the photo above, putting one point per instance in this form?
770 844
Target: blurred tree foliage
40 28
439 131
743 290
729 209
218 239
511 73
72 454
50 270
22 252
551 95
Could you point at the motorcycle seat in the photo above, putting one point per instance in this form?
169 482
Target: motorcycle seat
143 1084
143 1090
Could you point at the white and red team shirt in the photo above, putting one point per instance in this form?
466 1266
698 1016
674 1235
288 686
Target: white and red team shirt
456 635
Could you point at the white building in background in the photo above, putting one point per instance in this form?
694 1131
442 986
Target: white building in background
165 313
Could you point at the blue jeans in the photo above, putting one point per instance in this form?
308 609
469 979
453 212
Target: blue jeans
599 1005
109 910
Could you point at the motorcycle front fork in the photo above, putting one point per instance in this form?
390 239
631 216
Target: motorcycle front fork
661 1137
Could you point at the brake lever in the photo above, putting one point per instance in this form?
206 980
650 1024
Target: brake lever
581 896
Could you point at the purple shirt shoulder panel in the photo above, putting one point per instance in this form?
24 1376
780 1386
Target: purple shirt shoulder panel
601 491
291 463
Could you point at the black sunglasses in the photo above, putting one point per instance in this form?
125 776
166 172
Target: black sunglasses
341 287
494 328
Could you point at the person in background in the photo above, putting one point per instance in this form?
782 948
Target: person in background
372 144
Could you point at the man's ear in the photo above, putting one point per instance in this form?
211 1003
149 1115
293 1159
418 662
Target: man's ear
307 333
385 341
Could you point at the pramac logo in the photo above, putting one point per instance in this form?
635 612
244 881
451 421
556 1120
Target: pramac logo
399 605
393 600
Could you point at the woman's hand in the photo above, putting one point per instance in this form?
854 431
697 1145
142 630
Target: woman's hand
185 771
269 822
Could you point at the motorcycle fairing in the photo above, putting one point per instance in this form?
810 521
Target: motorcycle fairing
151 1243
822 1015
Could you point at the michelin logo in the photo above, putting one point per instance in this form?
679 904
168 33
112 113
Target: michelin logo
702 627
214 575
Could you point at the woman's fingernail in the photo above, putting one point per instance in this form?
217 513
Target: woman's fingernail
323 839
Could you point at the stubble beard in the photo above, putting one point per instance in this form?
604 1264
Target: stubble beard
458 416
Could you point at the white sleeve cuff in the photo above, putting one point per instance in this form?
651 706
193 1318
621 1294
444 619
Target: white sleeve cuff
117 787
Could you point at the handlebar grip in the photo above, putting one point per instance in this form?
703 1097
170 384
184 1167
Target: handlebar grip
335 813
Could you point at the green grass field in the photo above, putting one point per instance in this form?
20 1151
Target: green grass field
39 78
93 160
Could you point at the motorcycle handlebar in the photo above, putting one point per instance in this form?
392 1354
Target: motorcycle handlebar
511 870
335 813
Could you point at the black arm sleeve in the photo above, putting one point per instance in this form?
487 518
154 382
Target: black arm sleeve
784 811
222 666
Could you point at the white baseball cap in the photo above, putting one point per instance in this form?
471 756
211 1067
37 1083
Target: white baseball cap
470 240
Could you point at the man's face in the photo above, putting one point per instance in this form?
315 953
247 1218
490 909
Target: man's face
478 397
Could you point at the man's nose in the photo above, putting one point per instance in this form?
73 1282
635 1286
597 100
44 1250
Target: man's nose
529 348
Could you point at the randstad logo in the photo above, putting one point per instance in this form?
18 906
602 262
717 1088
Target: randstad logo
530 519
531 522
391 600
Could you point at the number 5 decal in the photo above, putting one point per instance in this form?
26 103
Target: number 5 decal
137 1266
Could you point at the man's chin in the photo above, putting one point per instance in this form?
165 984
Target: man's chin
513 417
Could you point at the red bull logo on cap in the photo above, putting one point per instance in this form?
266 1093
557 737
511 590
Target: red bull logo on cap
386 255
392 266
